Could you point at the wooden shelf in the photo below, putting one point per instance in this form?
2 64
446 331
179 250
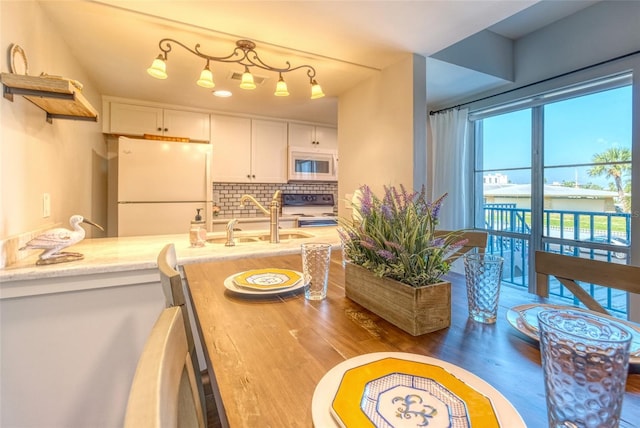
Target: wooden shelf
56 96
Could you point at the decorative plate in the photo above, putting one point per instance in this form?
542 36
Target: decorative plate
267 279
18 60
399 400
250 292
395 393
484 405
524 318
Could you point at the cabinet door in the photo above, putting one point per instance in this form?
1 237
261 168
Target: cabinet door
269 151
129 119
186 124
301 135
326 138
231 141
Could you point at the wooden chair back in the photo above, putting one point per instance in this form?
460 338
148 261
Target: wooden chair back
475 239
568 270
170 276
174 296
164 392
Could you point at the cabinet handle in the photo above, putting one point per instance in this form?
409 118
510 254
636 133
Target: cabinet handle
159 129
253 176
166 129
248 175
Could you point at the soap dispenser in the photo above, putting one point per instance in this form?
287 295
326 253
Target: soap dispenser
198 231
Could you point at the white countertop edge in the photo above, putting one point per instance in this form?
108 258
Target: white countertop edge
111 255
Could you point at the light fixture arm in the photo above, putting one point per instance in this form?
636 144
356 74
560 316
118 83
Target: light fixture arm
243 54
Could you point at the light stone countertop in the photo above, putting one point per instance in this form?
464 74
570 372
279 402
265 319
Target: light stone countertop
106 255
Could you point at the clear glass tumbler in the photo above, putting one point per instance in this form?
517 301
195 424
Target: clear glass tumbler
585 358
483 274
316 259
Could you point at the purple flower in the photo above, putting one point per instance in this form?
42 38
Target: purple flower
387 212
368 243
345 236
388 197
366 201
435 207
386 254
437 242
453 248
394 245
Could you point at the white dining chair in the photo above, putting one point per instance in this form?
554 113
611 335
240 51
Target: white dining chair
164 392
173 290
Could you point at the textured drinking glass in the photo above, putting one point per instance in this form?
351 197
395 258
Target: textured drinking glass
315 266
585 359
483 273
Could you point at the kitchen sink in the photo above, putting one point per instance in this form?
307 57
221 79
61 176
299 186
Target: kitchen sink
261 237
237 239
287 236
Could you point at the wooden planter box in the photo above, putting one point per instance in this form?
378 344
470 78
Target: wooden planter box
416 310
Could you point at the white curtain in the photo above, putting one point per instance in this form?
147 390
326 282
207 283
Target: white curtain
451 167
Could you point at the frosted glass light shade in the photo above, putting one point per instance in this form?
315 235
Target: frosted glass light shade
281 88
316 90
158 68
247 80
206 78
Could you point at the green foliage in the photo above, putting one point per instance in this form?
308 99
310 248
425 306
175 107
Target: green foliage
395 236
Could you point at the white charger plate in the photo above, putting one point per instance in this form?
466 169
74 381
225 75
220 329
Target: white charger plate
524 319
326 389
232 287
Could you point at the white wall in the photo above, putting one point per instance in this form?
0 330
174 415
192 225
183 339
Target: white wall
65 159
68 359
381 127
603 31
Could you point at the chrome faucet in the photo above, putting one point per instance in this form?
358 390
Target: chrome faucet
230 228
273 212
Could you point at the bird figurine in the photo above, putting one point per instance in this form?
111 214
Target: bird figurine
55 240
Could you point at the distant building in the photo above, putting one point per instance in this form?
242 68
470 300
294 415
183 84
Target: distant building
555 197
495 179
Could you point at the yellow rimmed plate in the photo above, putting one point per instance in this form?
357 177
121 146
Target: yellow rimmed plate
251 292
327 388
524 318
397 393
267 279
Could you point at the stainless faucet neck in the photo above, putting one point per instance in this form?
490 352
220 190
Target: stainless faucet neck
273 212
230 239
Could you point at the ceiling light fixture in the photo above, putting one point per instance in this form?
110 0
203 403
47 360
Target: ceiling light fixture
244 54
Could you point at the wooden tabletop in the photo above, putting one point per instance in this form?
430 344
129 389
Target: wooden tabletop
268 354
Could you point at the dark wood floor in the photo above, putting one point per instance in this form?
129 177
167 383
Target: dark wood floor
213 421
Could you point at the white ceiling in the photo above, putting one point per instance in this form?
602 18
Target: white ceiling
346 42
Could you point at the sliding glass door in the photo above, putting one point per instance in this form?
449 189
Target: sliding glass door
553 173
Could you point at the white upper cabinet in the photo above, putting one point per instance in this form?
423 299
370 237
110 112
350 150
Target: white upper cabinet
179 123
313 137
136 120
231 140
268 151
248 150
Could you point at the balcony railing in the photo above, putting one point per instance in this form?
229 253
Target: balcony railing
602 236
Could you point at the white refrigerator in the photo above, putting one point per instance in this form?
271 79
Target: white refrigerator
161 185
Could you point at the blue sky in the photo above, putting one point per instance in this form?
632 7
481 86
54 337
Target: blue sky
575 130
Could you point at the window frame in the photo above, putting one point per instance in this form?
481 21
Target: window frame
603 77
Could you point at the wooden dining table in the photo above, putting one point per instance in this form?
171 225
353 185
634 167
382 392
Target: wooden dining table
267 354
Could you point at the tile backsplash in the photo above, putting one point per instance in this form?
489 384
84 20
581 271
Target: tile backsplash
227 195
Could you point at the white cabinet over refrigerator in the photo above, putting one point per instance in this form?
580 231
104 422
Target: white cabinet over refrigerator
160 186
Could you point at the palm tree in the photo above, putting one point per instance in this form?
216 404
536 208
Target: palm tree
612 163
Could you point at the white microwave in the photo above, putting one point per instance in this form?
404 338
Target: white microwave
313 165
